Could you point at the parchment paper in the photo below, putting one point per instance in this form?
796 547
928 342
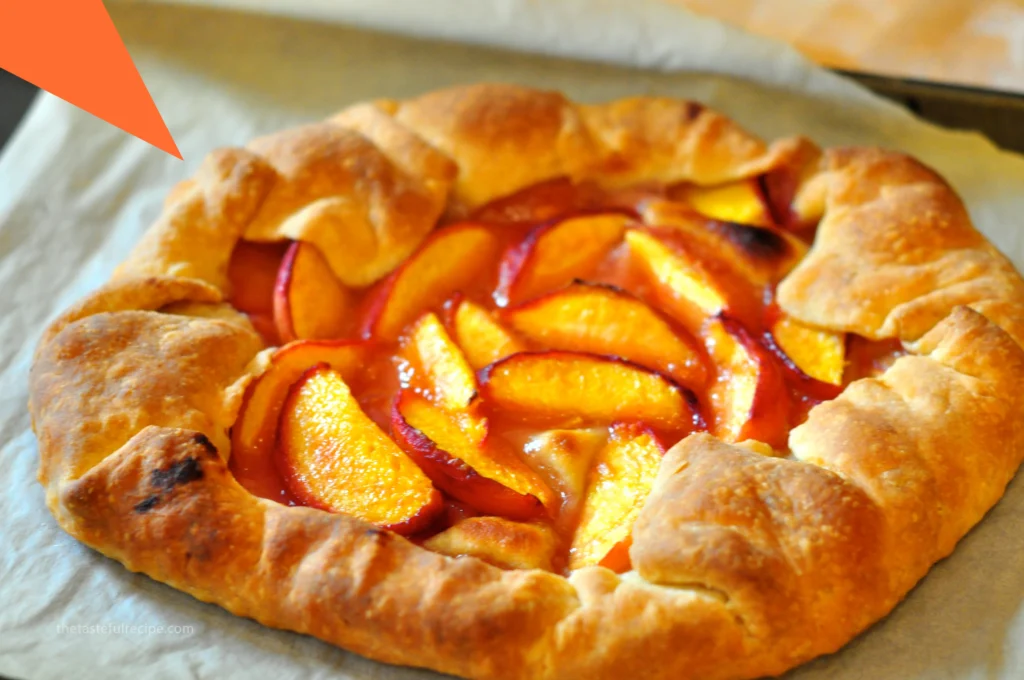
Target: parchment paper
973 42
76 193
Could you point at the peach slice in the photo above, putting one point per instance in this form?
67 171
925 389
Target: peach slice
564 458
762 255
811 355
690 286
498 541
482 339
741 201
555 254
568 389
749 398
870 358
784 184
255 430
483 474
605 320
333 457
449 260
252 274
620 481
309 301
448 378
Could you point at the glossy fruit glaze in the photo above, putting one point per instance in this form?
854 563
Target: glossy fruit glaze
562 316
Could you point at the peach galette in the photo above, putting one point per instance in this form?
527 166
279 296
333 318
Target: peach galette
506 386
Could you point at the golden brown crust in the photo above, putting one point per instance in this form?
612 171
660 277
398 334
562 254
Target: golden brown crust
497 541
336 188
489 130
654 139
124 293
744 564
166 504
105 377
895 252
792 546
934 440
202 221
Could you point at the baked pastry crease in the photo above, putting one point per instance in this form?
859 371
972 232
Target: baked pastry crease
743 564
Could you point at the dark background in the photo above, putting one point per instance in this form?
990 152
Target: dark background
15 96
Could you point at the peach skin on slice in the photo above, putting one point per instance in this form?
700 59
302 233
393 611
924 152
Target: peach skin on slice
446 376
482 339
255 430
333 457
814 357
571 389
485 475
749 398
602 319
498 541
264 324
554 254
870 358
741 201
309 301
252 274
687 284
450 259
618 485
454 512
782 185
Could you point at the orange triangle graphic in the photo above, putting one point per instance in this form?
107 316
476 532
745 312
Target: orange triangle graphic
71 49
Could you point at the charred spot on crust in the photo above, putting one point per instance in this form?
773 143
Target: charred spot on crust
181 472
177 473
377 535
693 109
761 244
146 505
202 440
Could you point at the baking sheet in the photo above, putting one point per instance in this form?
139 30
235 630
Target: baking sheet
999 115
76 193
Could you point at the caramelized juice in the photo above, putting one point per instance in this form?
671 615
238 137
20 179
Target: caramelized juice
514 218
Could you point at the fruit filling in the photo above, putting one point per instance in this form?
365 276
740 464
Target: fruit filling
508 391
